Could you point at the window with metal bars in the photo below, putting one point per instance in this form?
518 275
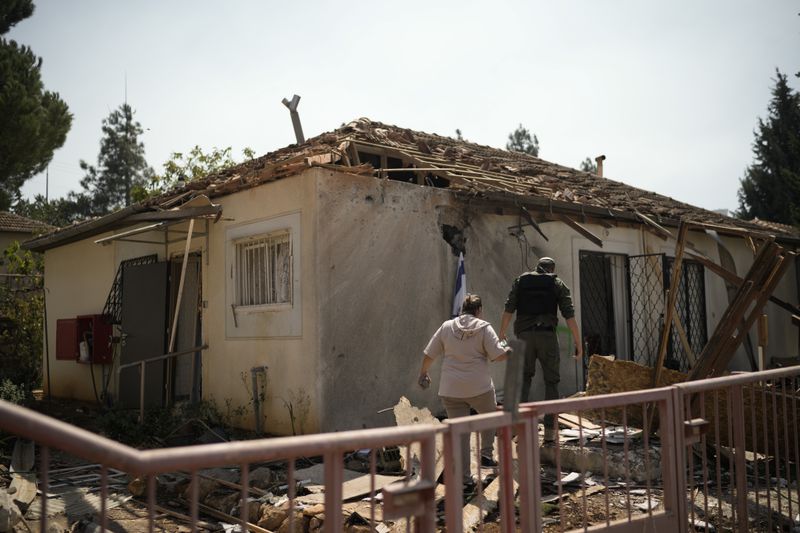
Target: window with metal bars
263 269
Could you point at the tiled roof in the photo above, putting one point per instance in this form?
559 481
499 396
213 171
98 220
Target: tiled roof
468 167
15 223
463 167
776 226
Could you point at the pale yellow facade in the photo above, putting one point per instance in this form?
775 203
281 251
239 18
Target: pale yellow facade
78 278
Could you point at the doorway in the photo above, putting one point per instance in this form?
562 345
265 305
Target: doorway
604 305
184 371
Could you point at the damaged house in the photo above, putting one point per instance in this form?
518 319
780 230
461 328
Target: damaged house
298 289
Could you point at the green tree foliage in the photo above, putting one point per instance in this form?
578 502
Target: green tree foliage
21 319
33 122
121 165
770 188
13 11
59 212
520 140
587 165
189 166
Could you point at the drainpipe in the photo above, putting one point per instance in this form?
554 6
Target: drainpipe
599 161
298 129
254 373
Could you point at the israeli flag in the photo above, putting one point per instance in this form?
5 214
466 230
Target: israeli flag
461 287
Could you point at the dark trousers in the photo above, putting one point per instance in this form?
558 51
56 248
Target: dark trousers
541 346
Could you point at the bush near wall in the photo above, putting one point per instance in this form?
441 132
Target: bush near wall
21 320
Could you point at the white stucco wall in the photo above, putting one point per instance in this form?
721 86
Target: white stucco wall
290 358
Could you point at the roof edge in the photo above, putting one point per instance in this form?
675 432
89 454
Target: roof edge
81 231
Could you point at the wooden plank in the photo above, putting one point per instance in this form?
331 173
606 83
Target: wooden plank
219 515
572 420
672 298
661 231
477 509
676 320
232 485
354 488
581 229
188 519
733 279
733 326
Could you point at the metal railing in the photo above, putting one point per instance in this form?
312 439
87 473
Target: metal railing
740 455
142 365
710 455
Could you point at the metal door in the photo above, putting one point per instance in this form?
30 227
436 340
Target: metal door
597 306
144 315
184 385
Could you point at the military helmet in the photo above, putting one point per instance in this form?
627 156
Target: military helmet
546 264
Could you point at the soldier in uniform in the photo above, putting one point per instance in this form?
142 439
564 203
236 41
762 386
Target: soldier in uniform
535 297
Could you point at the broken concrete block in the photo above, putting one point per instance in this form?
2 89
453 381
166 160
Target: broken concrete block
315 524
261 477
590 458
272 517
314 510
300 523
9 512
137 486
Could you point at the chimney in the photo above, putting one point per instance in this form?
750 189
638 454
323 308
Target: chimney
298 129
599 160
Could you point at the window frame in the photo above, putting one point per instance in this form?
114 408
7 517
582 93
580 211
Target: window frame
267 238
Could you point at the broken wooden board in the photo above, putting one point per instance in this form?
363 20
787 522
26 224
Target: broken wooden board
360 486
573 421
479 507
406 414
23 478
606 377
78 501
316 474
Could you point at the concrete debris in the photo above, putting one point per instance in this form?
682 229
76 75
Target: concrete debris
700 525
75 502
10 514
261 477
647 506
572 477
589 457
272 517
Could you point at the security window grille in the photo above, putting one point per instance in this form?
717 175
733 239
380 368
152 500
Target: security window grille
263 274
648 281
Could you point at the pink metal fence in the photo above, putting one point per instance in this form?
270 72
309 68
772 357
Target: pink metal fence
712 454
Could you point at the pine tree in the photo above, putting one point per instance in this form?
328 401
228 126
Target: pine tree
121 165
33 122
520 140
770 189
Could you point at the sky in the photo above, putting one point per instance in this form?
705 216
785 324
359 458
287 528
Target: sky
670 91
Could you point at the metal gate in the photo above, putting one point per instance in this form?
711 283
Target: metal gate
648 282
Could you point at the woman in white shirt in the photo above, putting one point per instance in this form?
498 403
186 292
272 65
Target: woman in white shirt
467 344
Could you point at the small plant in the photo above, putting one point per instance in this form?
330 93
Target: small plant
11 392
298 405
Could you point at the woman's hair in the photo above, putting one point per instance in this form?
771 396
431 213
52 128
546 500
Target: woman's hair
471 304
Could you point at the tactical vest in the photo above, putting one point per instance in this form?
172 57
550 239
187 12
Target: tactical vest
536 294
